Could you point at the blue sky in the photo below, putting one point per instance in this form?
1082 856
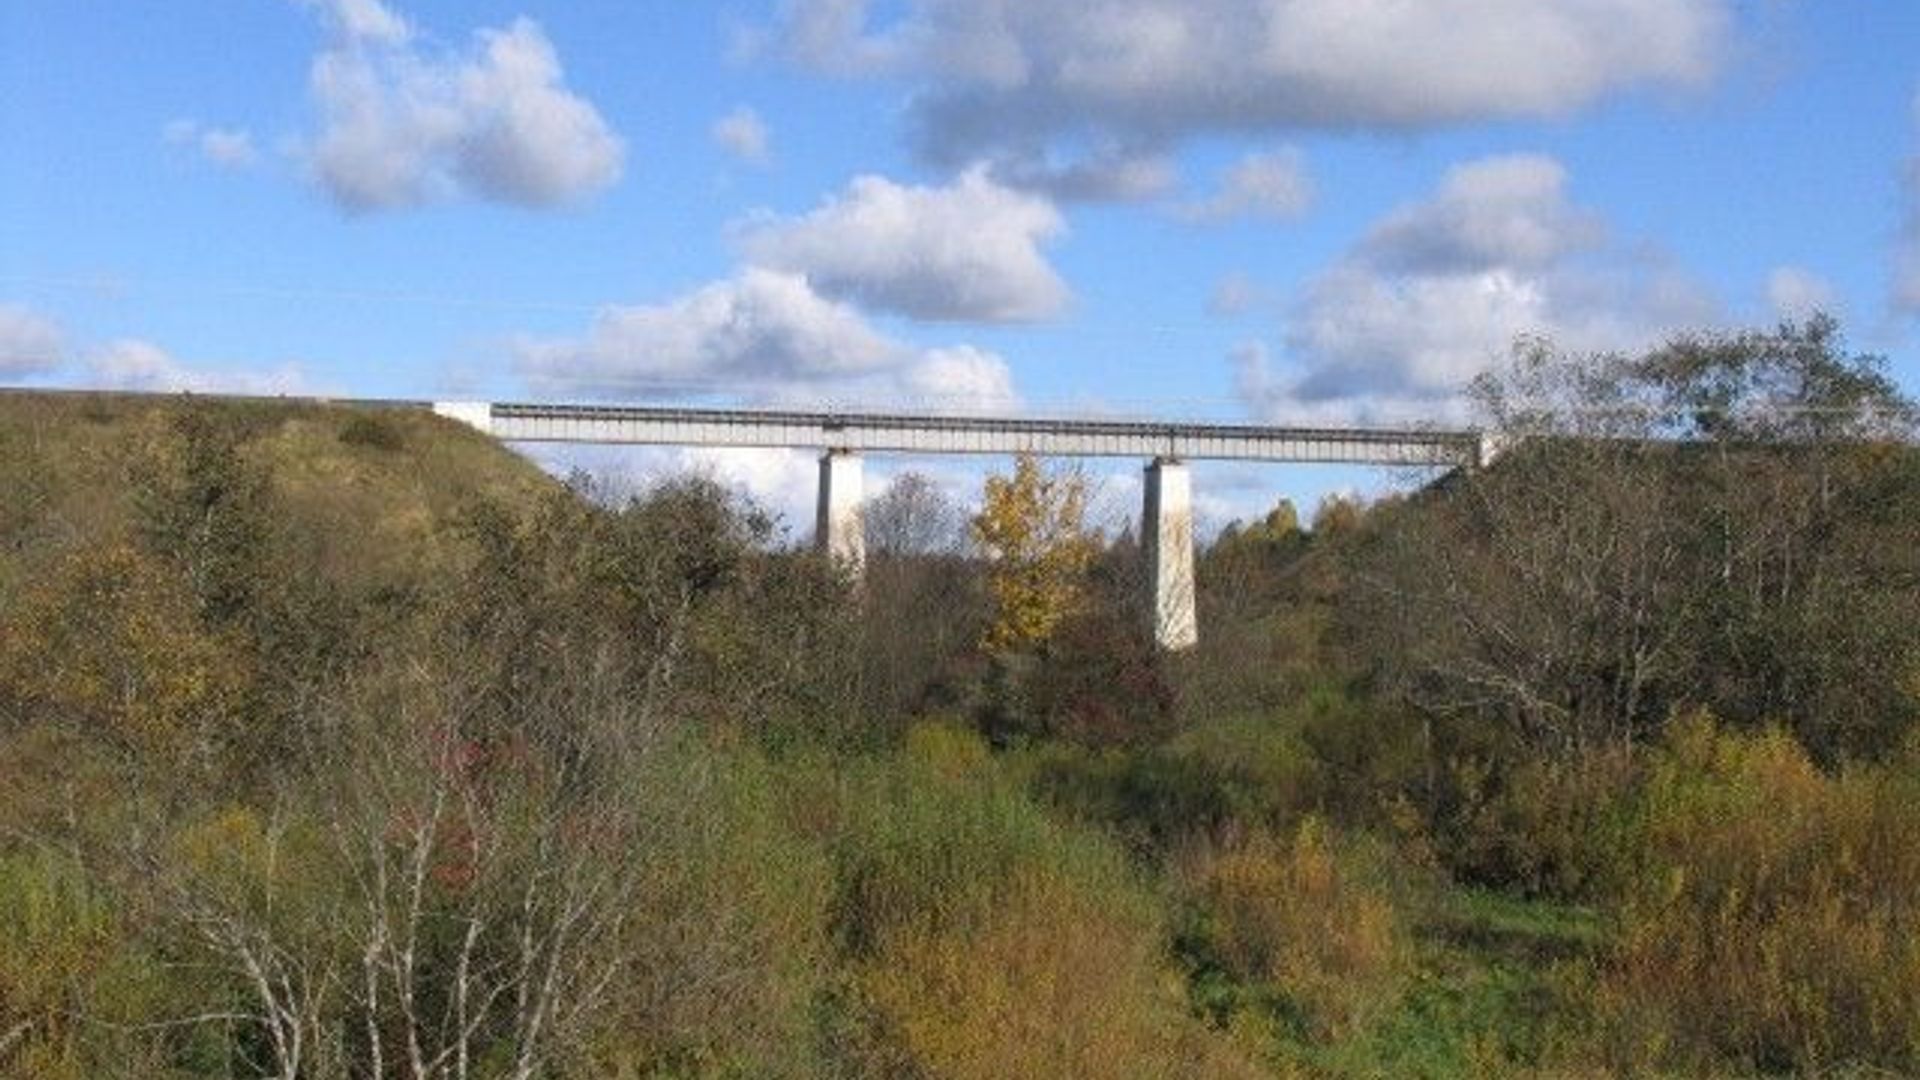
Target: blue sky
1286 210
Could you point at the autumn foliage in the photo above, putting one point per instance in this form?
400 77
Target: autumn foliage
341 744
1032 526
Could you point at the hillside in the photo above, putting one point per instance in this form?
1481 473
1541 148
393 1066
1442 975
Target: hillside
368 490
334 739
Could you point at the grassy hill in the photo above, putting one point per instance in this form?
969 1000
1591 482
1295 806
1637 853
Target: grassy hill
367 490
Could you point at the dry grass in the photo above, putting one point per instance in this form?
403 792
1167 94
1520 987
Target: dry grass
1774 921
1299 914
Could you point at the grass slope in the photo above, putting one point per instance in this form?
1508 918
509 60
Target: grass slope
366 487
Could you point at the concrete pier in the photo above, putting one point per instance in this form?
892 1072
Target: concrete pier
837 526
1166 530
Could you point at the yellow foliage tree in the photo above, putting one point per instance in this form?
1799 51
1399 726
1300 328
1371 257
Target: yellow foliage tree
108 636
1033 526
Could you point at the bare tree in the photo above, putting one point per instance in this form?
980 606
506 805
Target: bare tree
914 517
1709 523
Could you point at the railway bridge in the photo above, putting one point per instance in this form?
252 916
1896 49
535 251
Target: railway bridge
842 438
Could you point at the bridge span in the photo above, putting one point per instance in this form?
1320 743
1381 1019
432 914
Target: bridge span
841 437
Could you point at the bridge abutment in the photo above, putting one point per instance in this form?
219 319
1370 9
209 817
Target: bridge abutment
838 530
1166 530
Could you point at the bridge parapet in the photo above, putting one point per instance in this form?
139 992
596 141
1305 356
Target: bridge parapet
936 434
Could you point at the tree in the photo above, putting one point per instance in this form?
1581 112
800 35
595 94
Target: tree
1033 527
204 505
913 517
1724 521
923 597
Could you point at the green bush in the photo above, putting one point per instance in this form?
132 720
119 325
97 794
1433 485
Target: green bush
1223 776
1773 919
372 432
989 940
1304 917
728 945
71 979
1541 827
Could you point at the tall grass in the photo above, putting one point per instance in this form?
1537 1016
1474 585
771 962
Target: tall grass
990 940
1305 915
1772 915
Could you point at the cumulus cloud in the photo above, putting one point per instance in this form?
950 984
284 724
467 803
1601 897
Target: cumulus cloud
1438 291
1265 185
783 481
30 343
1499 212
744 136
967 251
959 379
133 364
759 328
363 20
33 344
999 74
777 480
1110 173
763 338
402 123
229 148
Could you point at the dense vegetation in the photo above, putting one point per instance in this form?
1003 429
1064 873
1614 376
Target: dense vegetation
343 743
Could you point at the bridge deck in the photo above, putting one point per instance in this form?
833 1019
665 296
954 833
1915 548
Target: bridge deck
927 434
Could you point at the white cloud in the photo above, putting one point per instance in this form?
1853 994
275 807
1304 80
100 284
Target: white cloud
777 480
132 364
1795 293
1110 173
1270 185
967 251
759 329
229 148
401 124
744 135
1000 75
1438 291
959 379
30 343
363 20
783 481
763 338
1499 212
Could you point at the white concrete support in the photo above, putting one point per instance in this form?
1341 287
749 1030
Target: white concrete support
837 527
1166 529
474 414
1492 445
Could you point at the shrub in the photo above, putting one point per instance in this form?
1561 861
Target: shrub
728 942
1055 980
110 640
1774 920
1098 681
1552 827
1304 915
1219 778
68 973
989 940
373 432
933 833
